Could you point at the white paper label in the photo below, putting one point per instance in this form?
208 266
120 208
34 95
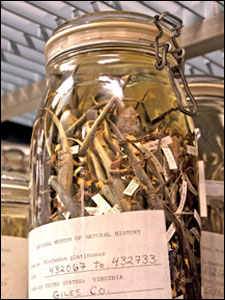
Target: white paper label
153 145
172 229
197 217
170 158
170 232
118 256
192 150
202 189
102 204
212 265
183 197
190 186
92 210
74 149
14 267
115 209
165 171
131 188
166 141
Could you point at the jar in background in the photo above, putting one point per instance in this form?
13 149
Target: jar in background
209 94
110 167
15 157
14 223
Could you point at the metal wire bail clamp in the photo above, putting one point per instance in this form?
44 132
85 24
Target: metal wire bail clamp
174 24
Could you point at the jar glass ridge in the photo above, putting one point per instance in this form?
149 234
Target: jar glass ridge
14 189
14 220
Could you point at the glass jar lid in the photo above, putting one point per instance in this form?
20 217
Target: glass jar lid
206 85
105 28
14 173
14 191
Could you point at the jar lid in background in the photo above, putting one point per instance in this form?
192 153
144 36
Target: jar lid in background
14 173
15 157
206 85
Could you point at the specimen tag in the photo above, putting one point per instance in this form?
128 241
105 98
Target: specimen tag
183 197
202 189
170 158
14 281
192 150
99 257
97 211
166 141
165 170
212 265
150 146
131 188
115 209
153 145
101 203
170 232
74 149
197 217
180 297
172 229
92 210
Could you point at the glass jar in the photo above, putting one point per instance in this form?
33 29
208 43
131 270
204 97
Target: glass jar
110 168
15 157
14 224
209 94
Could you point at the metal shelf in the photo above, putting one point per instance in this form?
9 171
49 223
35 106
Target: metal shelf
26 26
